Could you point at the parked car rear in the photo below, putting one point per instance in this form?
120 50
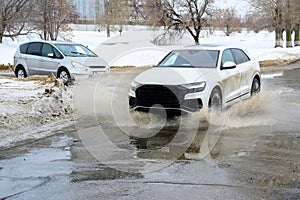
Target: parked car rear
67 60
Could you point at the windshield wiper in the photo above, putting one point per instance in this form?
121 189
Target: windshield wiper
83 54
78 53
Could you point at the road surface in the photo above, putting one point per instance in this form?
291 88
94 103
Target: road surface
252 152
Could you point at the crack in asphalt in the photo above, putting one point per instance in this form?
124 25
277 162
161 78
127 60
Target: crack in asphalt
45 180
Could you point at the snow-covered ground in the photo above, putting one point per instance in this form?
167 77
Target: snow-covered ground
35 108
135 47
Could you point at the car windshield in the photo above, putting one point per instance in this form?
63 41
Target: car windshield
75 50
191 58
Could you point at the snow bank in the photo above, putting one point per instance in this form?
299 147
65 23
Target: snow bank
28 106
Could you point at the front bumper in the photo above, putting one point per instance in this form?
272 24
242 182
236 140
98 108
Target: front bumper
82 74
192 105
169 98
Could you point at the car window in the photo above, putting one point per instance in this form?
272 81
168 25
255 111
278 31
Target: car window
227 56
240 56
57 54
172 59
47 48
191 58
34 48
75 50
23 48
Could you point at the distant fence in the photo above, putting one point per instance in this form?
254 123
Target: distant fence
95 27
85 27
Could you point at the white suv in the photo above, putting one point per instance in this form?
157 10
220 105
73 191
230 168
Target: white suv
67 60
196 77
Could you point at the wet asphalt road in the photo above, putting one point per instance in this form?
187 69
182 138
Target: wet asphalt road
253 154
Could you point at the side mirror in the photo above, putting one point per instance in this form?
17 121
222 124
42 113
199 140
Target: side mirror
50 55
229 65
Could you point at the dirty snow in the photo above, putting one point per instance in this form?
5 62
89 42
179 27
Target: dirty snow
28 107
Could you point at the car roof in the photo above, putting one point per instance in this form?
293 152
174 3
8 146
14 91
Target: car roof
207 47
52 42
61 42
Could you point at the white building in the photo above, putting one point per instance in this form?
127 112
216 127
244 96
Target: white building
89 9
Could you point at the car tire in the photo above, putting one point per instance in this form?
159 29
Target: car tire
20 72
255 88
215 100
64 75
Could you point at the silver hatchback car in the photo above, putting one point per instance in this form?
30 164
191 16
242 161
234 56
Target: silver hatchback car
67 60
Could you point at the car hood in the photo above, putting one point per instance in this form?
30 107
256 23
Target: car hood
90 61
173 76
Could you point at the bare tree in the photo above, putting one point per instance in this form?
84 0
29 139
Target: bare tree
257 21
179 16
13 18
53 16
297 34
289 22
156 15
295 7
273 9
115 13
226 19
137 12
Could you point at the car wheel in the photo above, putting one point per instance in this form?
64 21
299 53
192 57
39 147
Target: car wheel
215 100
20 72
64 75
255 88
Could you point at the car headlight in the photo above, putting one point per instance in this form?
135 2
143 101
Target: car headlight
78 65
195 87
134 85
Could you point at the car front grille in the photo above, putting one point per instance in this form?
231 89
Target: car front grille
166 96
97 67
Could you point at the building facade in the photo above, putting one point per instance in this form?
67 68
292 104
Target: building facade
89 10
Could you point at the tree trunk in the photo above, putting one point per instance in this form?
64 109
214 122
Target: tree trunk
278 38
45 33
1 38
289 43
52 38
108 30
297 35
121 30
195 36
227 30
196 39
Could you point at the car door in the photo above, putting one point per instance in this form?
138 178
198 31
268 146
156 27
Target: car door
230 78
244 66
33 57
49 60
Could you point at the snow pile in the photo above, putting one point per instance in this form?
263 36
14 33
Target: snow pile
278 56
30 104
